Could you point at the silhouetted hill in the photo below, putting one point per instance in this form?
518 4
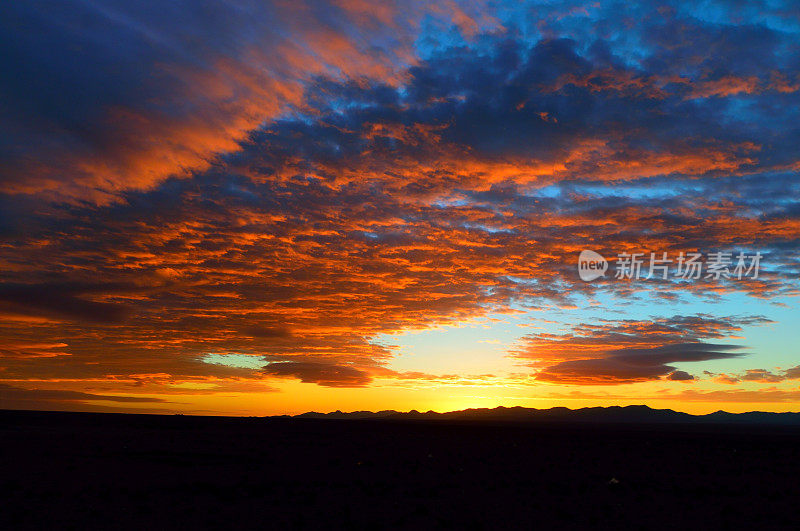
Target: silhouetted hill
506 468
352 415
613 414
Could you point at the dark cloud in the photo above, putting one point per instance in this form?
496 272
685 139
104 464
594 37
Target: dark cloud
793 373
63 301
758 375
324 374
618 352
15 393
635 365
761 375
675 353
680 376
19 398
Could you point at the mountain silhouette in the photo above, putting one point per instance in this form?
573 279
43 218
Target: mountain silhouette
611 414
504 468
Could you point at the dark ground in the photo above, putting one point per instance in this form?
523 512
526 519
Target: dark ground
79 471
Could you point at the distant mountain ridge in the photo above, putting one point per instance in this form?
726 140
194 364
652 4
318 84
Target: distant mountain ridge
612 414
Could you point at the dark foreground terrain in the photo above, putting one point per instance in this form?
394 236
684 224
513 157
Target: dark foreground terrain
79 471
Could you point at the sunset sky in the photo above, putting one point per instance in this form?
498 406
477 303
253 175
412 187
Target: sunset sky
252 208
